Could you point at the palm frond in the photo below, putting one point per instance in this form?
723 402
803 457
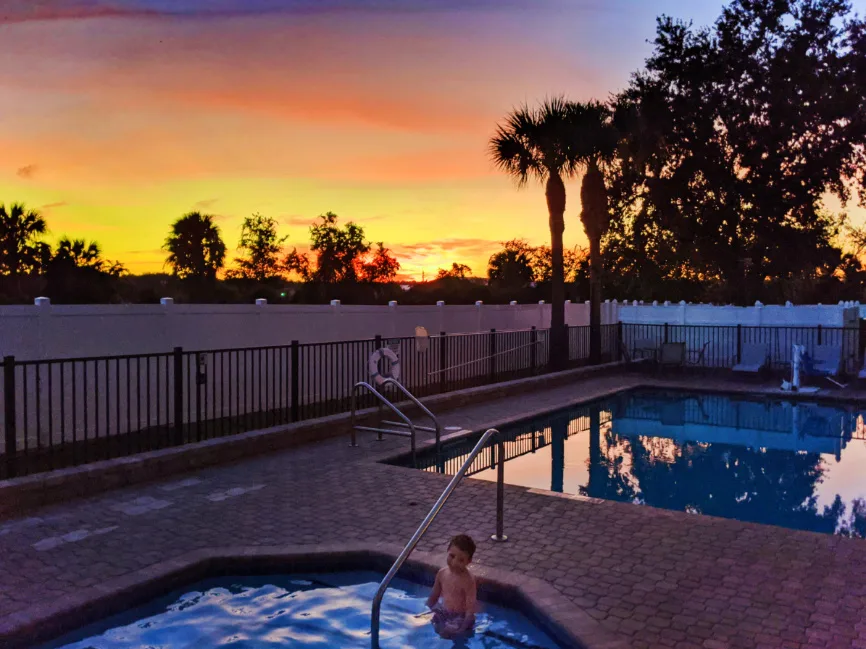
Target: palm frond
511 154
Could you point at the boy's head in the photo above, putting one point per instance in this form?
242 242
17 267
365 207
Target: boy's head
461 549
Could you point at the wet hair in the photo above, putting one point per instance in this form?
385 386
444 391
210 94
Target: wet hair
463 543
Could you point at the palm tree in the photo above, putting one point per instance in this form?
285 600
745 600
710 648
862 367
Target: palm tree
595 145
21 249
78 253
195 247
539 144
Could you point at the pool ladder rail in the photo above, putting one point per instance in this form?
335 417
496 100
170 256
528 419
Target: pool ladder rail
403 428
437 507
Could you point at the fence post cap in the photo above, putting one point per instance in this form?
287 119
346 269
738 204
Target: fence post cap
788 304
541 301
392 303
42 301
440 303
513 303
261 301
479 303
335 302
586 302
758 303
166 301
682 302
667 303
568 301
655 302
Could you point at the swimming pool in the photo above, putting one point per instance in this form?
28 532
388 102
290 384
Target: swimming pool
321 610
762 460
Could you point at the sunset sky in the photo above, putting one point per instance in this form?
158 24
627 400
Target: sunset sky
118 116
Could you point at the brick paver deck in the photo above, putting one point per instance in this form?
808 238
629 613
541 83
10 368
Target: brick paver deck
659 578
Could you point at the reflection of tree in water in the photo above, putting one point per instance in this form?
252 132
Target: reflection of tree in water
766 486
609 477
853 525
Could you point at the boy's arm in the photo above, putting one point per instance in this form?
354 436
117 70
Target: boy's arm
435 593
471 605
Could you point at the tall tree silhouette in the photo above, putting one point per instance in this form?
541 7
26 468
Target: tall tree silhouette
195 247
260 246
22 251
549 144
595 144
379 265
78 253
77 273
512 267
743 130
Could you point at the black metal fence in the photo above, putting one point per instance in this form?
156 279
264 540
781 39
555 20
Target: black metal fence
721 346
64 412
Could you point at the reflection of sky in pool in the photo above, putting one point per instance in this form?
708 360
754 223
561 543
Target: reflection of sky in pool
326 611
766 461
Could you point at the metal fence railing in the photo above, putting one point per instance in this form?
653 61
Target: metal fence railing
64 412
721 346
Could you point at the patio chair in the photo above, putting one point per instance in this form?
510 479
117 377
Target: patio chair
753 358
699 354
672 355
826 361
645 348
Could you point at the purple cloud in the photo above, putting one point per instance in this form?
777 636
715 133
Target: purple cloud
25 10
27 171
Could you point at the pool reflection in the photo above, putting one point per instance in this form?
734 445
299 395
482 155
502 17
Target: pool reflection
764 461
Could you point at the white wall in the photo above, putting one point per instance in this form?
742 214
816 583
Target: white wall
55 331
807 315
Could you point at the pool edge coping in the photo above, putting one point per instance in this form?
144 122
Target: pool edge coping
538 600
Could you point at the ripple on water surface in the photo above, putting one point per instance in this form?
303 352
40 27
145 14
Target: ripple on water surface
316 611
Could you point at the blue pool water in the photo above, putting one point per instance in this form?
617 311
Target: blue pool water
797 465
326 611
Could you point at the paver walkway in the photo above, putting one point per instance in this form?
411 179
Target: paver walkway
659 578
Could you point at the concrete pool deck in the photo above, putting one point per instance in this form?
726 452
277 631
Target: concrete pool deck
654 578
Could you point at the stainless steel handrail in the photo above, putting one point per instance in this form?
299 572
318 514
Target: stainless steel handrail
391 406
437 507
436 425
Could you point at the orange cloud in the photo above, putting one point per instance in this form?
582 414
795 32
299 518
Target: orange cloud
429 256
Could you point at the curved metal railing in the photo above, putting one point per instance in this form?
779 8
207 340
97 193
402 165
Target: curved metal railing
383 399
437 507
437 427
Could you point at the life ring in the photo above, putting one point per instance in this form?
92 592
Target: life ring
373 365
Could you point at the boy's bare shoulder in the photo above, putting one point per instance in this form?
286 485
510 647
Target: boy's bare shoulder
442 571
